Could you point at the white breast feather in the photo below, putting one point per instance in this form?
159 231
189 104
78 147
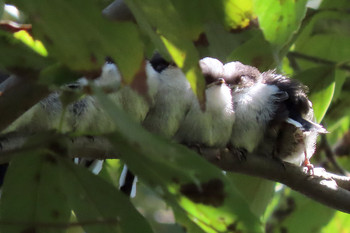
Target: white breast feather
253 109
213 126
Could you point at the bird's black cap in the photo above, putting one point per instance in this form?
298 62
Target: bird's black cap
159 63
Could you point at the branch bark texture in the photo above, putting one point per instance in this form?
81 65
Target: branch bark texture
327 188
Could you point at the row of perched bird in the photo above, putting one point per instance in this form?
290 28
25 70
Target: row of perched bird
245 110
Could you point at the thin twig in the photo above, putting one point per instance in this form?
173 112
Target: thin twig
330 155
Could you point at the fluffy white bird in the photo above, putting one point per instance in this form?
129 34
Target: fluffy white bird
138 103
87 115
211 127
254 104
84 114
91 116
293 129
273 114
172 101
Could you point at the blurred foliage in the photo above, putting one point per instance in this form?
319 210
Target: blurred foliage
177 181
45 192
295 213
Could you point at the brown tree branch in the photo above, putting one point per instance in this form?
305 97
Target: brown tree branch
77 147
327 188
331 156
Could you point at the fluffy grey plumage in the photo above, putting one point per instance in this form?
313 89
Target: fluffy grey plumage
136 105
95 119
172 101
293 129
211 127
87 114
273 114
254 104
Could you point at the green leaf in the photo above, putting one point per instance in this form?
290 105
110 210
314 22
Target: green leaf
190 22
344 161
300 214
181 49
258 193
256 52
57 74
326 36
327 46
331 4
2 5
339 223
338 128
221 42
79 37
27 39
338 118
186 57
279 20
111 171
231 14
98 205
321 83
237 13
32 197
18 57
324 23
184 180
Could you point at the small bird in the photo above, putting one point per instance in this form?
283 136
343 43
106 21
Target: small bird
86 115
137 106
273 115
212 127
293 128
172 101
91 116
137 103
82 115
255 104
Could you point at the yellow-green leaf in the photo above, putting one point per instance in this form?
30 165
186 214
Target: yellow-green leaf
75 33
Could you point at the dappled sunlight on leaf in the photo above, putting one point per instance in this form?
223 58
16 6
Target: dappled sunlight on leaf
76 38
279 20
36 45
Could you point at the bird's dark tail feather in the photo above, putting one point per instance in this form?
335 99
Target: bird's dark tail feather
306 125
